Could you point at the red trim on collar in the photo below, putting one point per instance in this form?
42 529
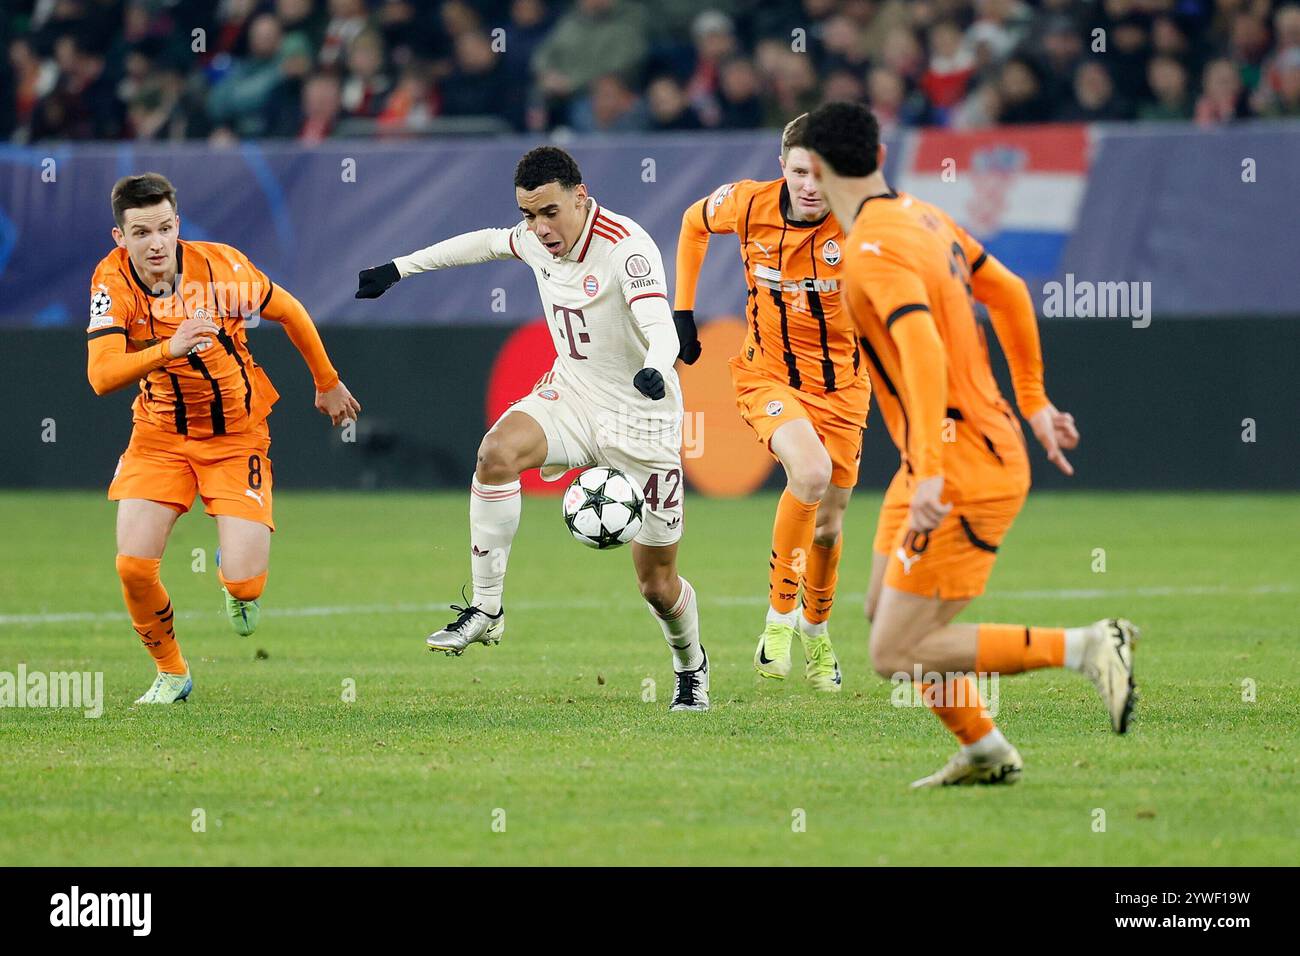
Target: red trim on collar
590 227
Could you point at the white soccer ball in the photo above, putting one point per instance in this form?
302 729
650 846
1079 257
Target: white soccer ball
603 508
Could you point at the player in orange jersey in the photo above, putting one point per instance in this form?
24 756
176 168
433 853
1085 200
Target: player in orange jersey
170 316
911 280
800 384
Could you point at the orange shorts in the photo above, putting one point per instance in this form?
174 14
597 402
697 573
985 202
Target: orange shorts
839 418
953 562
231 472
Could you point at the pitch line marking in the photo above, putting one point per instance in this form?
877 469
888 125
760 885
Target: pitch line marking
332 610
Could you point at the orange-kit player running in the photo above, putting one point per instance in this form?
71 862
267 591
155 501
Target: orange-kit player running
800 383
911 279
170 316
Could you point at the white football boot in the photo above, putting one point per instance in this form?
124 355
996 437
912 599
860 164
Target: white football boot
965 769
692 690
168 689
1108 663
472 626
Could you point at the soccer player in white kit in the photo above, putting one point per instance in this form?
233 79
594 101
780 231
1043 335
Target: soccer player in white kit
611 398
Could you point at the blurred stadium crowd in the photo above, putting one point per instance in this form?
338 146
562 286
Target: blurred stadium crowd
225 70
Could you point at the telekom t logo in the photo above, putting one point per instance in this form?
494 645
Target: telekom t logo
574 338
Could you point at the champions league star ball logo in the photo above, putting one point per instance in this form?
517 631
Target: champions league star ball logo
100 302
603 508
590 286
831 252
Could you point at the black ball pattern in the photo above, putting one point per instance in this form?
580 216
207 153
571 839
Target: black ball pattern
595 500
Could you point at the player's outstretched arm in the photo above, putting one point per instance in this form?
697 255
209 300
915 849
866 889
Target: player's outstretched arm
109 366
716 212
482 245
692 248
1011 310
332 396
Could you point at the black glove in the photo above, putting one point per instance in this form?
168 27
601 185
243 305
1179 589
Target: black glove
372 283
687 335
649 383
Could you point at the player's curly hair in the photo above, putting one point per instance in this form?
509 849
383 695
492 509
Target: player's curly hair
140 192
846 135
547 164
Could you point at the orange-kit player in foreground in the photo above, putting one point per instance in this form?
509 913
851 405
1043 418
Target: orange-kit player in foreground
800 383
911 279
170 316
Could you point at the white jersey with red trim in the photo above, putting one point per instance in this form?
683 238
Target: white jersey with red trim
587 296
604 301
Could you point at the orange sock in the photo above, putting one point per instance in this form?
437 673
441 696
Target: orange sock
819 580
249 589
791 540
1012 648
151 611
957 703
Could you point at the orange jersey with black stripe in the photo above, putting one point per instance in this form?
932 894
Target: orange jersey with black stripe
218 391
797 331
912 276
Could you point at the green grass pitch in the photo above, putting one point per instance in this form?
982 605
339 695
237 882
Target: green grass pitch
549 735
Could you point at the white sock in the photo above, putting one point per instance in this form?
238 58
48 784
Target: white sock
773 615
681 627
991 743
1076 640
493 521
811 629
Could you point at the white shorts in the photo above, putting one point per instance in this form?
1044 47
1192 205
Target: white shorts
580 434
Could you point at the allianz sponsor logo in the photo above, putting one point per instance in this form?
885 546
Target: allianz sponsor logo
1084 299
770 278
81 690
75 908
